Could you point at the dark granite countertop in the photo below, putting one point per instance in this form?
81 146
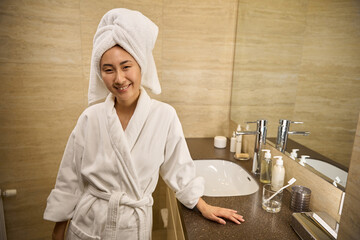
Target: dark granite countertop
258 223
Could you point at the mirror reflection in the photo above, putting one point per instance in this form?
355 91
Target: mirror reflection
300 62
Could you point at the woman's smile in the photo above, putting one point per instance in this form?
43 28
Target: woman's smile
123 88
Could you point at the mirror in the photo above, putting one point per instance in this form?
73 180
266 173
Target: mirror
300 61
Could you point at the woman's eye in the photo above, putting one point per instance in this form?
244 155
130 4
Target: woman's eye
108 70
126 67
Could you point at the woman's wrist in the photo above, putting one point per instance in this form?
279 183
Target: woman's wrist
201 205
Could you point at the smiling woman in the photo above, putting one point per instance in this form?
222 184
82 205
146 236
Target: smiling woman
110 168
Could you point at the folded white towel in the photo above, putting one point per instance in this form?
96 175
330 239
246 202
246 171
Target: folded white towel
137 35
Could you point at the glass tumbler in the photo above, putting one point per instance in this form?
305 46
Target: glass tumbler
273 205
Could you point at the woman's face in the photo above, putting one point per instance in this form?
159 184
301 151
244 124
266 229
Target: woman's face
121 75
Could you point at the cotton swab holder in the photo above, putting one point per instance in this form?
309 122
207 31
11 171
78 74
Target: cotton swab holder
300 199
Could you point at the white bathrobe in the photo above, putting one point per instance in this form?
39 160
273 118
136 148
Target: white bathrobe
107 175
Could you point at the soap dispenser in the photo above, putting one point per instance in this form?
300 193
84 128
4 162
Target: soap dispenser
278 174
303 160
238 141
293 154
266 167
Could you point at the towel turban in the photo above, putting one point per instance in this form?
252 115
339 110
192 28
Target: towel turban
133 32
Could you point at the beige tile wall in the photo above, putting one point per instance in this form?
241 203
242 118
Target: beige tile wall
41 95
299 60
350 220
45 53
197 50
268 51
328 92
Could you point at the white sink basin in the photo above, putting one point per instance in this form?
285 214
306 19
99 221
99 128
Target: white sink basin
224 178
328 170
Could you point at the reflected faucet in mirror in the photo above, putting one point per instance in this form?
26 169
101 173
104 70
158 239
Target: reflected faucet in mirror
260 140
283 133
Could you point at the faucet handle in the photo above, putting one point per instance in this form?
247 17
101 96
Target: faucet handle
285 122
251 122
260 121
303 159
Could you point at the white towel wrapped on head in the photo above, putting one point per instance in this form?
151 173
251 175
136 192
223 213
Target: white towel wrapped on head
133 32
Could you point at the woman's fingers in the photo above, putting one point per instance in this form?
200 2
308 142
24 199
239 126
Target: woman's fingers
219 220
230 214
228 209
238 219
235 220
218 214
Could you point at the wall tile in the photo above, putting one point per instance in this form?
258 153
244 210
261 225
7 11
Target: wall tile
268 50
350 220
197 62
329 88
40 32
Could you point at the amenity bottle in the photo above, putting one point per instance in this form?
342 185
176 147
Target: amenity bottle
238 141
278 174
293 154
266 167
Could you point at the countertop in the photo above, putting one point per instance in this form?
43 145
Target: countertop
258 224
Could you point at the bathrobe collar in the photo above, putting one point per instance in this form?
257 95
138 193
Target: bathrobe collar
123 142
138 119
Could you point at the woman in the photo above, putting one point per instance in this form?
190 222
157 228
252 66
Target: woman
119 147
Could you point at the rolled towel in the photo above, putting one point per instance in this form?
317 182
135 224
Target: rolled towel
133 32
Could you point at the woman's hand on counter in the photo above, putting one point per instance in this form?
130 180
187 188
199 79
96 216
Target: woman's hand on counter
217 214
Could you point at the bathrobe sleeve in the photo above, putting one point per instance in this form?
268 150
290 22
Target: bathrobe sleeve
178 169
68 188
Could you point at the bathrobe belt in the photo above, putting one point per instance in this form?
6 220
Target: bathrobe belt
116 199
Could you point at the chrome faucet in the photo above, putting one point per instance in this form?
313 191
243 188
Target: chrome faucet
283 133
260 140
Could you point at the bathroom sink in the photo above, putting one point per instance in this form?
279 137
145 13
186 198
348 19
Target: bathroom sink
328 170
224 178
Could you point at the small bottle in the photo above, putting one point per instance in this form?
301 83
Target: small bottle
233 143
293 154
238 141
278 174
266 167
